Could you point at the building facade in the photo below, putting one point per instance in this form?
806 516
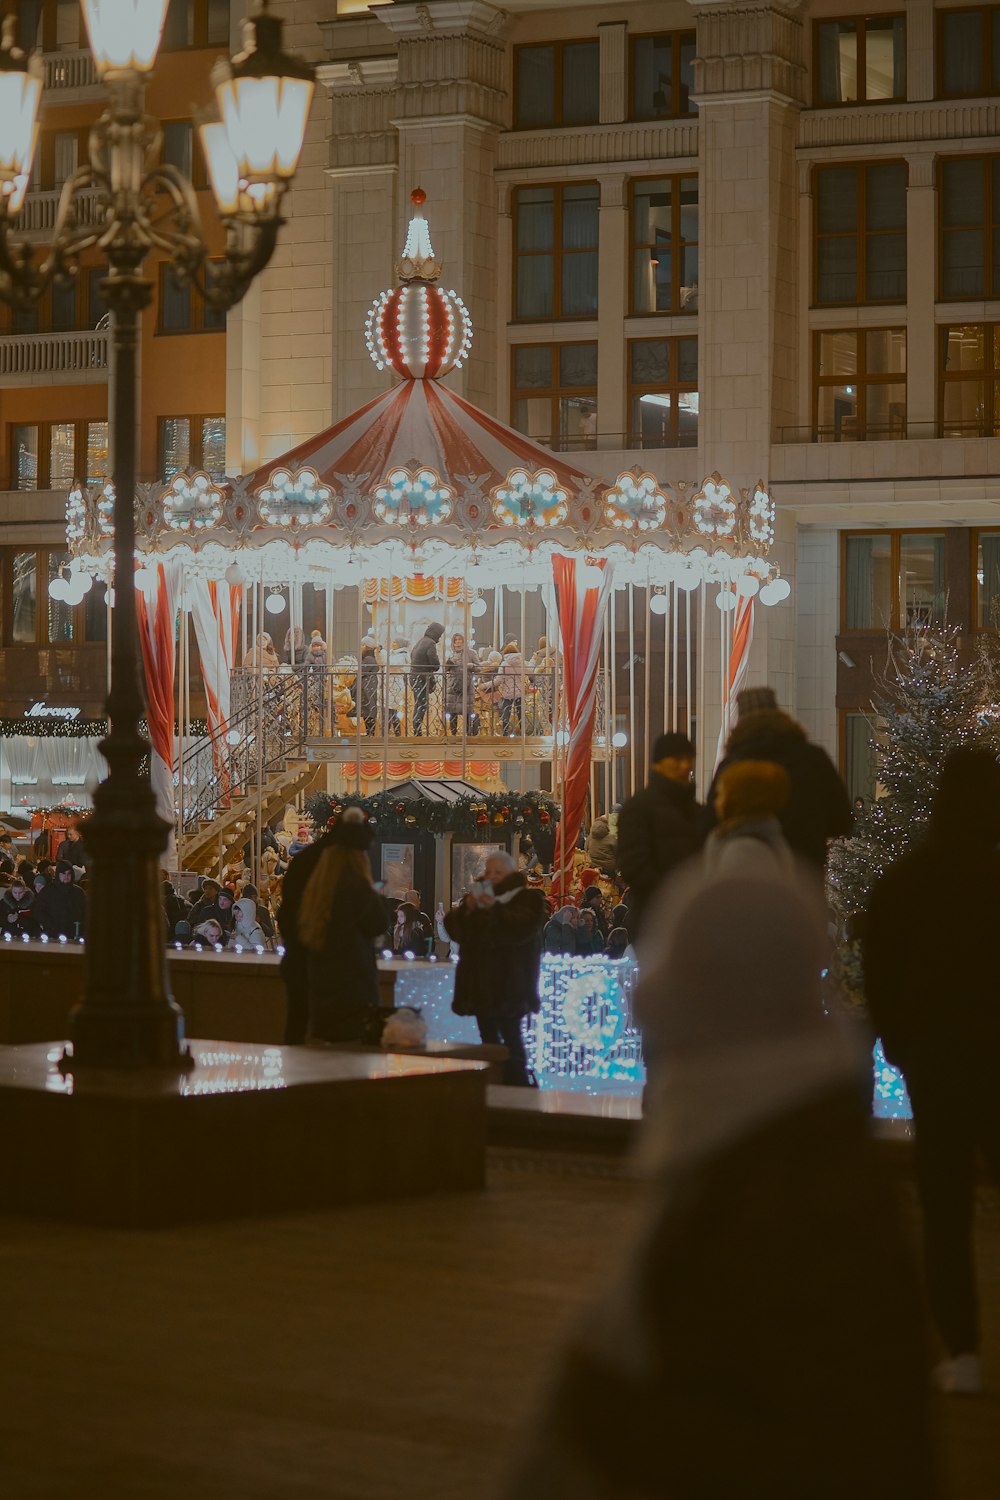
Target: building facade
750 237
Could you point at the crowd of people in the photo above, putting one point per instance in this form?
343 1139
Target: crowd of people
42 897
433 687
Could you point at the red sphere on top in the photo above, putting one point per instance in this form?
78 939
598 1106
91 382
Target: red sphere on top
418 197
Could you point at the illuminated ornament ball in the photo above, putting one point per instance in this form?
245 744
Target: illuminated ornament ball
417 329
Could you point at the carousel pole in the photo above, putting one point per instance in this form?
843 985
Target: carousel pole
181 696
648 637
676 683
631 689
666 657
464 697
700 702
386 683
613 721
524 690
687 655
608 797
259 655
357 683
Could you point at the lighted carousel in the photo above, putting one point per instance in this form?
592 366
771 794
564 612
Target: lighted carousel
314 585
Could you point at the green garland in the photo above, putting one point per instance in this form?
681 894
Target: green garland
78 729
469 817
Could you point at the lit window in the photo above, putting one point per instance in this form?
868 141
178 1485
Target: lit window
188 443
663 393
24 457
554 394
665 245
970 380
62 455
60 614
860 392
988 579
24 593
893 580
860 60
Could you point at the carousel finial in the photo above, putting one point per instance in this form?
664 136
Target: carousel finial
418 262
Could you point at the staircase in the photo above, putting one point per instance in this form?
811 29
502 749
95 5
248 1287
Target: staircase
256 761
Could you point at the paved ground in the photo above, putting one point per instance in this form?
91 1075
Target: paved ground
385 1353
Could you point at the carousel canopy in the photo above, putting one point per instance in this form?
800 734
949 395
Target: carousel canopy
421 482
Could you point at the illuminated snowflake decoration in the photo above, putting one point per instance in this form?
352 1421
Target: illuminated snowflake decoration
714 509
593 1010
294 499
106 510
530 498
635 503
192 503
413 496
762 517
76 515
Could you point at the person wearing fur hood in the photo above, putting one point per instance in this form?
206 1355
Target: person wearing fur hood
748 841
764 1333
818 807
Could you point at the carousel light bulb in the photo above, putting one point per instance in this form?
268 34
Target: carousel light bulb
274 604
591 576
619 740
747 585
234 576
659 604
58 589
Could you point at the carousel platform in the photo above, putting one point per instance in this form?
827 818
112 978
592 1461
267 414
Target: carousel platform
249 1131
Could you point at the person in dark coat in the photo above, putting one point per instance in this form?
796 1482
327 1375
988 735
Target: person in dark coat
294 959
425 666
818 808
175 909
499 934
7 854
340 916
559 934
459 687
366 685
930 983
61 909
593 901
661 826
208 894
764 1334
16 914
74 852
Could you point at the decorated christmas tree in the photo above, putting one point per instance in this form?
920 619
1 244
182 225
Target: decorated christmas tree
929 701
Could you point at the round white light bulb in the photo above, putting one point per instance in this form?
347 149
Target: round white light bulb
59 589
747 585
234 575
274 604
619 740
591 576
659 604
478 607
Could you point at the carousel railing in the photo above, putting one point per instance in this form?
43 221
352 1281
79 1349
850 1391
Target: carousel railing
397 702
266 729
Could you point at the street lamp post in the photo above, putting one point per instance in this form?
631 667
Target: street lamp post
128 1017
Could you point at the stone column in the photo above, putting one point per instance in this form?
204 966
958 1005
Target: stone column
613 37
921 333
749 83
451 101
612 281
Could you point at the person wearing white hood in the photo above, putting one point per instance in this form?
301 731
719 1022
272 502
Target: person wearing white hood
765 1334
247 930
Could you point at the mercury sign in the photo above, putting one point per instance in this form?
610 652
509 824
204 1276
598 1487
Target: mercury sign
45 711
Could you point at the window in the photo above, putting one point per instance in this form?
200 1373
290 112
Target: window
968 52
196 23
67 305
96 308
183 309
555 261
51 455
662 76
988 579
665 245
559 84
860 385
23 594
31 616
60 614
969 209
50 25
860 220
893 580
554 394
859 60
192 443
970 380
178 145
860 764
663 393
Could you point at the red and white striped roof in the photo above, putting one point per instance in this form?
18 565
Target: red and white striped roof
424 422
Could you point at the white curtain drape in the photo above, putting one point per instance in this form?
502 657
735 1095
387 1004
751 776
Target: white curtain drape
215 610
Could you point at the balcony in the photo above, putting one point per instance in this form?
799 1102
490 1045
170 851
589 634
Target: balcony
71 74
28 359
37 217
